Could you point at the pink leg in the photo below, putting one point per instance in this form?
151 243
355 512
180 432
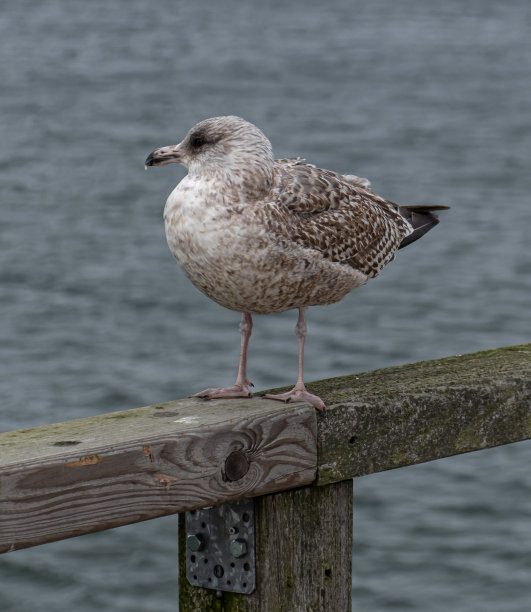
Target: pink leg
241 386
299 392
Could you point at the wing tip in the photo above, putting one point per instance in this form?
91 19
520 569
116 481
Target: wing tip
422 217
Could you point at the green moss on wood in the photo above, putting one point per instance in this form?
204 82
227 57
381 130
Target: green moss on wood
418 412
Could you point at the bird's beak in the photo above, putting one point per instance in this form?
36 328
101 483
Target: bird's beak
163 156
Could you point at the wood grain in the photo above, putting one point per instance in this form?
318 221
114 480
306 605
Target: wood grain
68 479
71 478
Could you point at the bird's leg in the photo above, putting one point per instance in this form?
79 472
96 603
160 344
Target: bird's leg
299 392
241 386
246 327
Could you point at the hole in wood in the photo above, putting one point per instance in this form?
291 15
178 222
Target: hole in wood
67 443
236 466
165 414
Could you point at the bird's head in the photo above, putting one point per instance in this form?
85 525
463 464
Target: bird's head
220 145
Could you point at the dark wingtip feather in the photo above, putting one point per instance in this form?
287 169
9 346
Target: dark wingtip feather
422 217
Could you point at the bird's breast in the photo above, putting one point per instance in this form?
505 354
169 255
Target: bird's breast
198 221
238 262
208 235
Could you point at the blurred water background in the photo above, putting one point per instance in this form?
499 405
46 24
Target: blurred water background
431 101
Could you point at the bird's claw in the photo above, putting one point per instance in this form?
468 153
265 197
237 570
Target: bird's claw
224 392
297 395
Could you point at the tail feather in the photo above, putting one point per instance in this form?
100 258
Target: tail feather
422 217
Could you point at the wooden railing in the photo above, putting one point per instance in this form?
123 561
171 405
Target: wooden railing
68 479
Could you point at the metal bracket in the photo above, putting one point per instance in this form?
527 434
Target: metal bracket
220 547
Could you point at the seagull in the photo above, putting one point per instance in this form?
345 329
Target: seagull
260 235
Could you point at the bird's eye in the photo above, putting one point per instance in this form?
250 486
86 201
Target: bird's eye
197 141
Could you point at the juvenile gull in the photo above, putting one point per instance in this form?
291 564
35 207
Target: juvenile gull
260 235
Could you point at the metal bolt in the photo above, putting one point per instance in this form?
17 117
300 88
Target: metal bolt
195 542
233 530
238 548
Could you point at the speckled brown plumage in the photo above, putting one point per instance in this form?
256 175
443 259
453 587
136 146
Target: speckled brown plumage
322 210
260 235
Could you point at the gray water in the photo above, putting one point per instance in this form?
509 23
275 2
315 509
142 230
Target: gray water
431 101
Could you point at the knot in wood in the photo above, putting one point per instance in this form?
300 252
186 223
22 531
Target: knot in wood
236 466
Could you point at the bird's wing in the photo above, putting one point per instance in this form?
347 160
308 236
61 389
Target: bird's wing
322 210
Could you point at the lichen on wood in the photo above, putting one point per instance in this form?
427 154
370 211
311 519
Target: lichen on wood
418 412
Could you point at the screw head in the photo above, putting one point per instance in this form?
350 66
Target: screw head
195 542
238 548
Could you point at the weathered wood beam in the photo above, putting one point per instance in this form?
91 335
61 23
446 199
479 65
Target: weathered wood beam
423 411
71 478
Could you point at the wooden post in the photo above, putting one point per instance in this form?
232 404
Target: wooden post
303 555
66 479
